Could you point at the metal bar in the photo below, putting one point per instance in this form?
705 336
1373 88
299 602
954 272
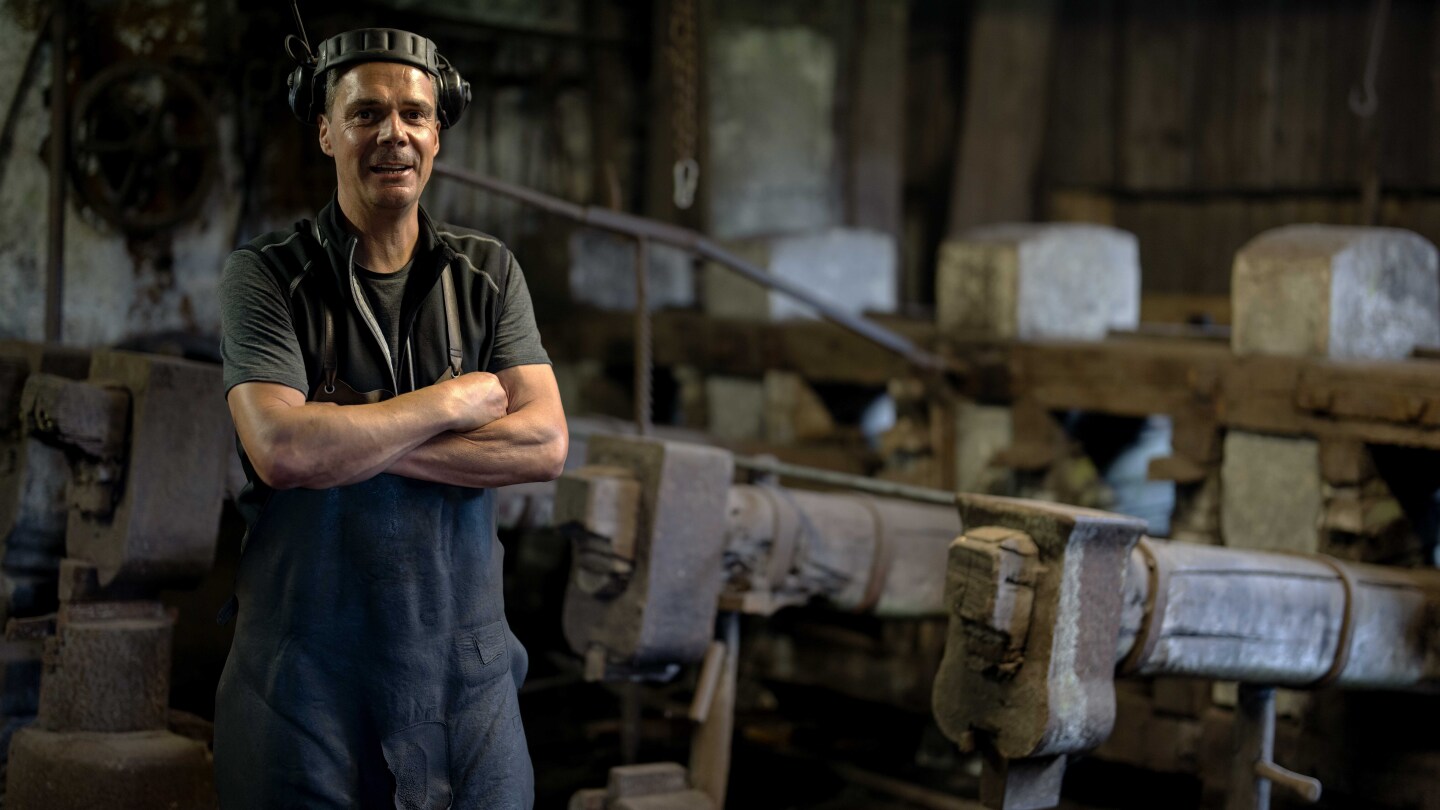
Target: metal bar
858 483
1253 742
59 132
644 228
644 364
710 744
530 197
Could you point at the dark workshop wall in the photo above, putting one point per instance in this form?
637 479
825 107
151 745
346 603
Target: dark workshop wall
557 84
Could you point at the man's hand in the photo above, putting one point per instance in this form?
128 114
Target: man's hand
476 400
527 444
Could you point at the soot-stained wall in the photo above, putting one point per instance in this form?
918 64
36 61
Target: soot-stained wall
530 122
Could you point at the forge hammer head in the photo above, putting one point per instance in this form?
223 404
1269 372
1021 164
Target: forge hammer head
647 519
1034 593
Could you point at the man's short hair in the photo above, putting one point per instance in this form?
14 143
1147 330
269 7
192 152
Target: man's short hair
332 81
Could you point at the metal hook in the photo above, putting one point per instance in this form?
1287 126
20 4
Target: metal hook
687 177
1364 101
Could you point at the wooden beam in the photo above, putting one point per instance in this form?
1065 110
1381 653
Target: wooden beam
877 117
1002 133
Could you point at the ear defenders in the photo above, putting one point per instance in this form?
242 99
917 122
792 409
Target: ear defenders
306 81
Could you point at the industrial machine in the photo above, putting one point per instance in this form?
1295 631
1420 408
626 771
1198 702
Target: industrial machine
122 472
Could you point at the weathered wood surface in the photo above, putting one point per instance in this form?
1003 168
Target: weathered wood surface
1199 383
1003 127
821 351
877 116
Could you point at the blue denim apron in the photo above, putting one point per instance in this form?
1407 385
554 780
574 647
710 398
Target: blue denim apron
372 665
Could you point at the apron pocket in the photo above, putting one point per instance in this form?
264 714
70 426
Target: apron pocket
419 758
482 653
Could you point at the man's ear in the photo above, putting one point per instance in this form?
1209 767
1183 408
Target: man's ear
324 123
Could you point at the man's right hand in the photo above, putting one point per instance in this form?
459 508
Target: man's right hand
476 400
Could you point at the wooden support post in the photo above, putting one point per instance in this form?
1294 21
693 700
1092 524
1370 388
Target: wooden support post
1004 121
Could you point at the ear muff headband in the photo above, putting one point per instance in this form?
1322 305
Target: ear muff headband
307 94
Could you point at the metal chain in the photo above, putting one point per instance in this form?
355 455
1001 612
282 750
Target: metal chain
685 111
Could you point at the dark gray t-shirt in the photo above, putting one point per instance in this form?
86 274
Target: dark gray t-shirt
386 293
258 342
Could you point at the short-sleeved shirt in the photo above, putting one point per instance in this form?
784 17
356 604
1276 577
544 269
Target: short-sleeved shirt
259 338
277 290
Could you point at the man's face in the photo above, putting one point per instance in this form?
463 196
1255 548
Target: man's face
383 130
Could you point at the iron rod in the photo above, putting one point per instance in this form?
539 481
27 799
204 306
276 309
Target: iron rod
644 228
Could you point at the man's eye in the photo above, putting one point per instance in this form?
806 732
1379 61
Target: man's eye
364 115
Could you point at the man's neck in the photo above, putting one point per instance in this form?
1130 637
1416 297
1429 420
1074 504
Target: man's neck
386 237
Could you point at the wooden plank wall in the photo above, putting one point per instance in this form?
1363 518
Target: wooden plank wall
1198 124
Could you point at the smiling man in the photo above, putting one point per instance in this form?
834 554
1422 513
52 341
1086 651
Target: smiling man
384 373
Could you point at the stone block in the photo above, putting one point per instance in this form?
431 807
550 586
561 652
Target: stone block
602 272
108 675
852 269
1335 292
1031 281
79 771
735 408
771 146
1271 496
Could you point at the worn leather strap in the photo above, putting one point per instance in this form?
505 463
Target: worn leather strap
879 563
786 532
1347 624
452 323
1149 635
327 350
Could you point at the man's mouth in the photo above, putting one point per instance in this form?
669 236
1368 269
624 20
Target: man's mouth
391 169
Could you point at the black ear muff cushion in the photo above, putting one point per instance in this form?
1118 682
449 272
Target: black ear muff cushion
301 91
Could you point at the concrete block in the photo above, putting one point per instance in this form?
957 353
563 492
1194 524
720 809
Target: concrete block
1336 292
602 272
771 146
735 407
1272 497
852 269
981 431
1029 281
79 771
107 675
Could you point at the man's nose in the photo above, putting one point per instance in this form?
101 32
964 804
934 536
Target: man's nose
392 133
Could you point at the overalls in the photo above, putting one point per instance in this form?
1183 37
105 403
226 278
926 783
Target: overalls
372 664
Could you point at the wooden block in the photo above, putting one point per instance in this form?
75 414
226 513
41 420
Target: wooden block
1345 462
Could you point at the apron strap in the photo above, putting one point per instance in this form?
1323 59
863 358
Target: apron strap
452 322
327 351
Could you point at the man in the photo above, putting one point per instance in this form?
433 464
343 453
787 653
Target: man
384 373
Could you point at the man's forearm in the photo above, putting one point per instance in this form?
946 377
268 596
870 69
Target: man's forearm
317 446
527 445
